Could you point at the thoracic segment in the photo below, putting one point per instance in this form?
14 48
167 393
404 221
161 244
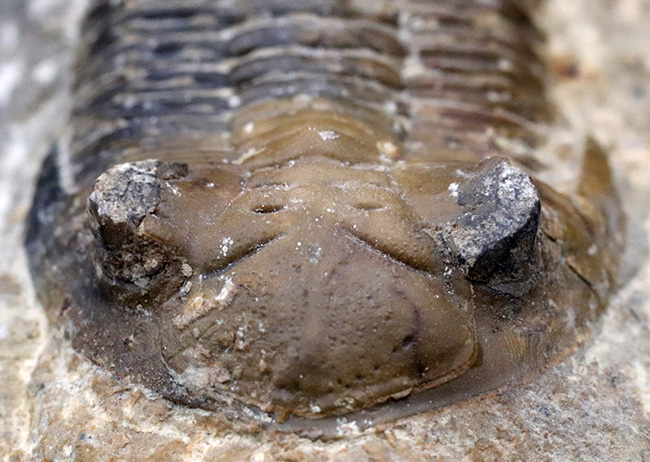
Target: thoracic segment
450 78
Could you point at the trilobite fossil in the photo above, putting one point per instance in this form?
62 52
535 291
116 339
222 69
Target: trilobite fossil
312 209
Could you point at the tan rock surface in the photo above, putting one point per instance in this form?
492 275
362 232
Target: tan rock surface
54 405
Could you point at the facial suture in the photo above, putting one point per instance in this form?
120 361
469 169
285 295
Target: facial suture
290 213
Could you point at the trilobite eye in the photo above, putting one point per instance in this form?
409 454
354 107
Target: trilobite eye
121 199
496 233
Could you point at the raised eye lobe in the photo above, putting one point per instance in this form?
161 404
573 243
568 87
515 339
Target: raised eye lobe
495 236
122 198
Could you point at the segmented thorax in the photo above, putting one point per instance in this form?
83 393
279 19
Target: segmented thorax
309 206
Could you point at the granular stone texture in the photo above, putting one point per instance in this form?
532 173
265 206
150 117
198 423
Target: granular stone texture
594 406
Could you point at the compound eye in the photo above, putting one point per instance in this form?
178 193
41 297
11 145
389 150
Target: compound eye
496 234
126 255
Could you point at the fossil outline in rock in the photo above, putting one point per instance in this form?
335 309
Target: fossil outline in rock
318 209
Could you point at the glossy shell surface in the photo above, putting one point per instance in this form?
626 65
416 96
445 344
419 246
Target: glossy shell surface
294 212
